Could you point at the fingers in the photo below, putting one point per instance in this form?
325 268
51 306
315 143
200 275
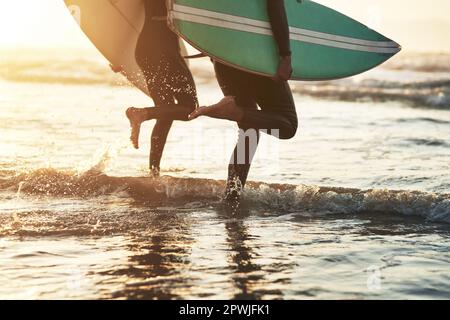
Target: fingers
284 76
279 77
192 116
196 113
285 71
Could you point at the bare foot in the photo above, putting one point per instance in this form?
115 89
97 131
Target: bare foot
225 109
136 117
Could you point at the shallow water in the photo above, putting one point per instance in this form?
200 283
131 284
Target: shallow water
141 253
76 221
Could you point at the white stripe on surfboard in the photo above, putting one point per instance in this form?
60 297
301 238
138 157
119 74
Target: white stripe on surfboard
263 31
293 30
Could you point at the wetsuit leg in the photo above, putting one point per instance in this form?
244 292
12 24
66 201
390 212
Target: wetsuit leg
277 117
169 79
184 89
172 88
240 162
248 137
158 141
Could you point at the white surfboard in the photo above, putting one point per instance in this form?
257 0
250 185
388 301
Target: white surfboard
114 26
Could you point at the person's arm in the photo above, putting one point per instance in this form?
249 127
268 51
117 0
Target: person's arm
280 27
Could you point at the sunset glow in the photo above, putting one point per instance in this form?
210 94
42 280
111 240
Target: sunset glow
130 171
416 24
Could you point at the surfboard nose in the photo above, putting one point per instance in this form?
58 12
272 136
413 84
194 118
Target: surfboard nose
397 46
330 46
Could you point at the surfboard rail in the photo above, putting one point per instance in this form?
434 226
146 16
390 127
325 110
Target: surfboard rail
317 55
113 27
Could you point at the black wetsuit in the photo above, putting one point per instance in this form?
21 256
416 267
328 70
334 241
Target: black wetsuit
169 80
277 112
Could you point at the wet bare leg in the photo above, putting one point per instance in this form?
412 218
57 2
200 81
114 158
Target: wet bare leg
136 116
226 109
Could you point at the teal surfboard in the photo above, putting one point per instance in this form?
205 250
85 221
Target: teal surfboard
325 44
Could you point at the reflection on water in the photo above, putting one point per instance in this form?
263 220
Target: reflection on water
176 253
161 265
158 257
245 275
206 254
75 222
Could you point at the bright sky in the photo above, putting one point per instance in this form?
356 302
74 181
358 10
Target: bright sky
416 24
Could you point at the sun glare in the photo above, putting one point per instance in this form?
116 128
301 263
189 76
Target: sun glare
46 23
42 23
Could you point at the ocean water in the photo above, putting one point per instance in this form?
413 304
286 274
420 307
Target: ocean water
357 205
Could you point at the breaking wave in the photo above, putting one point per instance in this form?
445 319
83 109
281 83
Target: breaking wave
268 198
422 94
